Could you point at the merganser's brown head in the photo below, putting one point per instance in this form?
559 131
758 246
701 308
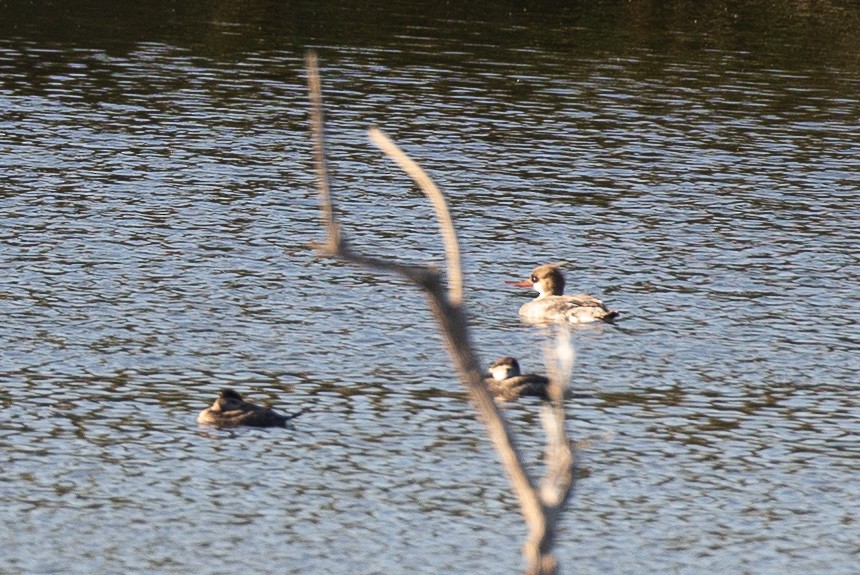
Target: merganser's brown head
546 280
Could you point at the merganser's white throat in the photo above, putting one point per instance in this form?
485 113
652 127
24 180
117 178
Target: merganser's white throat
551 305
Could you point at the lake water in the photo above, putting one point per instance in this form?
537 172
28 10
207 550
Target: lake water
695 166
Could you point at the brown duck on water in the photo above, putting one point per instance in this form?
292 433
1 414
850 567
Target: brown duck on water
507 383
230 410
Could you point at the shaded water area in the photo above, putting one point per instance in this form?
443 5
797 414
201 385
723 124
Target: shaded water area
697 167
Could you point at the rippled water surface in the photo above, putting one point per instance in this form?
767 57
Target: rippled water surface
697 170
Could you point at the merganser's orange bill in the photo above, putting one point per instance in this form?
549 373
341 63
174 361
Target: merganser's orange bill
520 284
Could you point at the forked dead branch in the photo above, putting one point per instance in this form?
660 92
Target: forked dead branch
541 506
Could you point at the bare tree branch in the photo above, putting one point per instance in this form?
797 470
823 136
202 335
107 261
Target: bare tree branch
540 510
446 226
557 483
317 123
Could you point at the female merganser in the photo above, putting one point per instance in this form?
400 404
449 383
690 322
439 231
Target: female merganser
507 383
230 410
551 305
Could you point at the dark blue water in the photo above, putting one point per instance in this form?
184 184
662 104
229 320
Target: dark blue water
158 211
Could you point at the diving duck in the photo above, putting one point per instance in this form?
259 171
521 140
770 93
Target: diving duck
507 383
230 410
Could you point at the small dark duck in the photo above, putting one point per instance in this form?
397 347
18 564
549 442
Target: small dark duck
507 383
230 410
